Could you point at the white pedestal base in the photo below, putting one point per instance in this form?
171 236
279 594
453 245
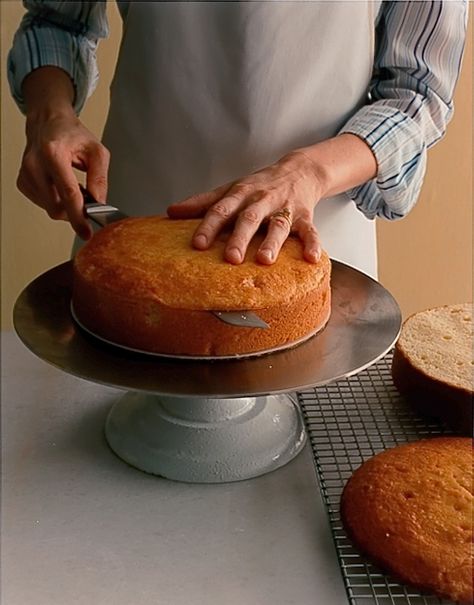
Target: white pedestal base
201 440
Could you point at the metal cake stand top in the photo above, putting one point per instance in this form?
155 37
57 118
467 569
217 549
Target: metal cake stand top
364 324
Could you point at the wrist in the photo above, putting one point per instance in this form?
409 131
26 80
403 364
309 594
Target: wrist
300 162
340 163
315 169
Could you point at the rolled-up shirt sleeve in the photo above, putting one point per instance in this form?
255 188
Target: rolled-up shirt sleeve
417 63
60 34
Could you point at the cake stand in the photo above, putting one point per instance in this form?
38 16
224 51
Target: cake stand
210 421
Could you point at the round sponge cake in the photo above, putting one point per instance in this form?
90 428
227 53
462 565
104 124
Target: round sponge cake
410 510
433 363
141 284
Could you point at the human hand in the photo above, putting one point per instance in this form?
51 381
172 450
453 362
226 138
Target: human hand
282 195
57 142
56 145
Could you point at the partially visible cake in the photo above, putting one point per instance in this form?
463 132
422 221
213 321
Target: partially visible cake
410 510
140 283
433 364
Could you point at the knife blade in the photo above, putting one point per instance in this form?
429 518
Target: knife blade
105 214
246 319
102 214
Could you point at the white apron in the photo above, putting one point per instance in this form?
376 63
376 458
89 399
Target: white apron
206 92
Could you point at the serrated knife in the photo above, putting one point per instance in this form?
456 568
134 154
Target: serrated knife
105 214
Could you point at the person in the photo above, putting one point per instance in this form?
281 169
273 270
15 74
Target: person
305 117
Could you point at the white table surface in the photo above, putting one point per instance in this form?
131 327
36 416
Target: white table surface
79 526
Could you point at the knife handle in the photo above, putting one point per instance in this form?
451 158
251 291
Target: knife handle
87 196
91 205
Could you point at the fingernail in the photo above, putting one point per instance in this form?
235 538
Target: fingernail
268 253
200 241
235 254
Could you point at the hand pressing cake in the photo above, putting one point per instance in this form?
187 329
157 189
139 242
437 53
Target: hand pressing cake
433 363
410 510
140 283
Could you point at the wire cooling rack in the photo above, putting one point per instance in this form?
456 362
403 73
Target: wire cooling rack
348 422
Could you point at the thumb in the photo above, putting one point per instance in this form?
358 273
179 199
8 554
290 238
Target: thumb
97 172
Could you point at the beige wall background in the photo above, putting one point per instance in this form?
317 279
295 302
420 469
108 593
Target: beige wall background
424 260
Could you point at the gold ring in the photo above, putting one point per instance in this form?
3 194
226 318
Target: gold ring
283 213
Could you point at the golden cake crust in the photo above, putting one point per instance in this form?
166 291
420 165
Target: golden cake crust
140 283
410 510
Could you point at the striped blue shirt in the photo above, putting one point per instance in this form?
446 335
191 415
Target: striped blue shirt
410 102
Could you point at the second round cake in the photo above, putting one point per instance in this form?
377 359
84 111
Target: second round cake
409 509
141 284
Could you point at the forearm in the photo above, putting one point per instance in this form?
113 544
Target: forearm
420 46
60 34
48 92
340 163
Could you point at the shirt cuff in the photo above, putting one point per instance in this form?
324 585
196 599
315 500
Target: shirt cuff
48 46
400 151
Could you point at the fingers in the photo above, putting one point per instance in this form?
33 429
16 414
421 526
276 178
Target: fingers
220 214
247 224
308 234
98 168
197 205
249 210
49 181
279 228
68 189
42 193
